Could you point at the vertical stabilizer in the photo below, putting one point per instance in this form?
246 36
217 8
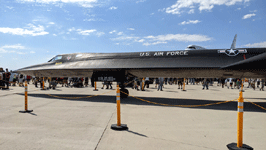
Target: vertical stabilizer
233 46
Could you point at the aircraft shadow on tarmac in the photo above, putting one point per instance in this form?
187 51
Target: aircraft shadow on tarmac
232 106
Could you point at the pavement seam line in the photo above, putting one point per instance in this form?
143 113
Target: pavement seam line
104 131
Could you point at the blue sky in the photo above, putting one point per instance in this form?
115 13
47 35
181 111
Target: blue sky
33 31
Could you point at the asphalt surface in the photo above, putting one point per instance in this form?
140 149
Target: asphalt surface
80 118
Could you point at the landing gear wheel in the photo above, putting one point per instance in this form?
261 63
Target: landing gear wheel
123 95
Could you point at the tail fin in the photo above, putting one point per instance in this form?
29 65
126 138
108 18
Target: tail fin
233 46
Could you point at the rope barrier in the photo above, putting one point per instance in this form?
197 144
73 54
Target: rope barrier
256 104
179 105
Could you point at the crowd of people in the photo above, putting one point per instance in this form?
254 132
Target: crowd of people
12 79
4 78
230 83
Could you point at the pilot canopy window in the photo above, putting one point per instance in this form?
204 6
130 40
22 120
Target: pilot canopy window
56 58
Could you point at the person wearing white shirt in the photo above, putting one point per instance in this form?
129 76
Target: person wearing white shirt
230 80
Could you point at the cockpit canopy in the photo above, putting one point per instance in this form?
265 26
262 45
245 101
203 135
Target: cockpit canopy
58 57
194 47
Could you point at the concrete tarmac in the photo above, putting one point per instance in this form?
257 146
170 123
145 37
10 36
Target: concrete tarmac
74 118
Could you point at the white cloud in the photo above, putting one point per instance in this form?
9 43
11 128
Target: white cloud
189 22
191 11
119 33
5 51
111 32
130 29
93 19
32 52
85 32
9 7
21 53
261 44
12 49
113 8
29 30
208 5
141 40
121 38
154 43
248 16
253 11
100 34
163 39
83 3
51 23
180 37
17 46
140 1
72 29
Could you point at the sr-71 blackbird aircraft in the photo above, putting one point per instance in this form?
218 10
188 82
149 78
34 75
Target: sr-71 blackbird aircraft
200 63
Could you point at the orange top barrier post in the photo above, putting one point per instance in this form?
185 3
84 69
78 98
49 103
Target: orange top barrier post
26 100
240 108
118 126
118 106
43 84
95 86
142 87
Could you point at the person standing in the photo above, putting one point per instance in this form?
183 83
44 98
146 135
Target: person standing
28 79
249 83
165 81
49 82
262 85
2 84
147 82
86 81
180 82
223 82
20 81
258 83
14 79
205 83
7 78
36 81
156 82
160 87
230 80
135 86
92 82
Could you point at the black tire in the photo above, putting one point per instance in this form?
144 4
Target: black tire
122 95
